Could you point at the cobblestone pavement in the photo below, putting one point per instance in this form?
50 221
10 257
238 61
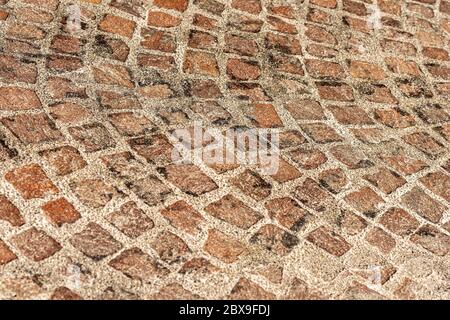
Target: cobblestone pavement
92 205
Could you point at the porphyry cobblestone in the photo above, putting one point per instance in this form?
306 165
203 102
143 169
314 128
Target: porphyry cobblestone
92 205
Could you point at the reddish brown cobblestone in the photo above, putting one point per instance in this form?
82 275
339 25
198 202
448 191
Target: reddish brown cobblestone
329 241
36 244
33 129
6 255
31 182
137 265
223 247
60 211
95 242
248 290
9 212
183 216
63 293
131 220
288 213
94 118
233 211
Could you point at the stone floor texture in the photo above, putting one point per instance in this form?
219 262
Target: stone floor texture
92 205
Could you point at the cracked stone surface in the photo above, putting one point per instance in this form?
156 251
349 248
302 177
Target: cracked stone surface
92 205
